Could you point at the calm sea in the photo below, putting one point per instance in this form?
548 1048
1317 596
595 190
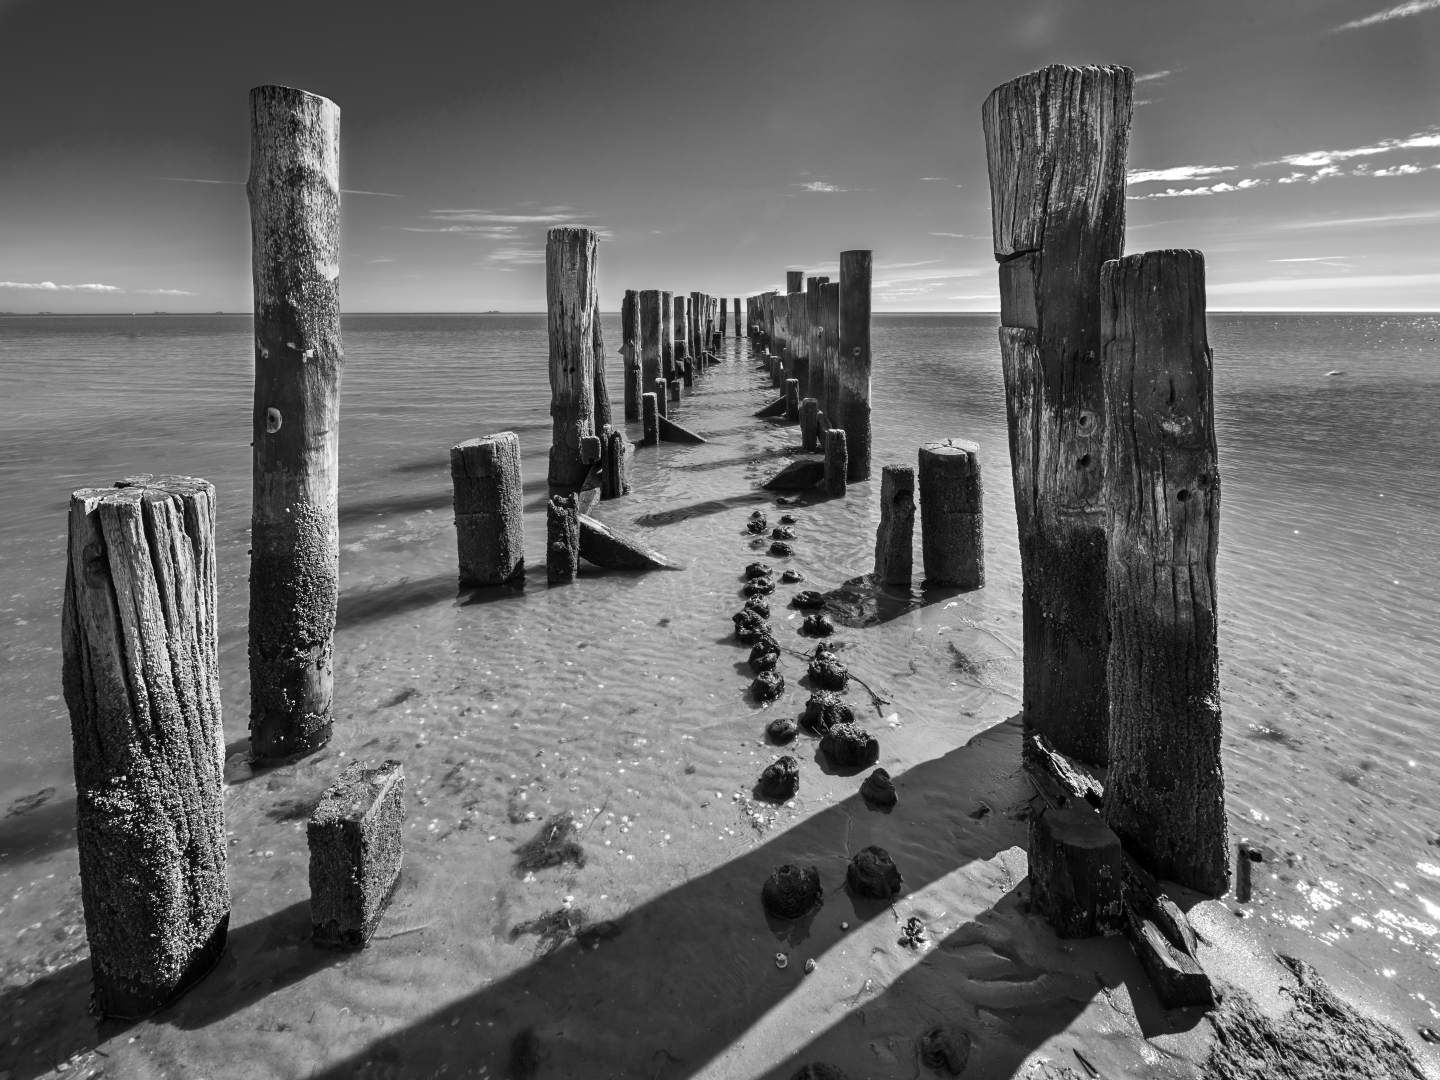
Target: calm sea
1329 570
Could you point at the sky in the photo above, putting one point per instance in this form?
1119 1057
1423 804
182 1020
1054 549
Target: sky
714 146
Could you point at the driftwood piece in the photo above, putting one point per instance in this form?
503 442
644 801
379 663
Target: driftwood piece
562 533
895 538
489 526
1056 141
1178 978
836 461
1166 789
1038 754
797 476
356 839
952 518
673 432
852 367
570 256
616 550
294 193
141 679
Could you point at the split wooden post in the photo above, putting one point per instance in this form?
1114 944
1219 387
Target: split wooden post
630 349
667 336
662 396
809 428
1056 141
651 331
1165 794
650 414
830 329
294 193
619 457
836 463
852 376
952 519
489 528
357 846
570 255
140 648
792 400
562 534
895 538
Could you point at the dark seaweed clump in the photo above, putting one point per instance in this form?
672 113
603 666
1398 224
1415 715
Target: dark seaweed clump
553 845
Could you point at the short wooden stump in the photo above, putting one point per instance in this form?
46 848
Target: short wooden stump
356 848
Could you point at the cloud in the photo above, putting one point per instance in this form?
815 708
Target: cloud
1312 258
518 256
1176 172
1314 158
161 292
1221 188
50 286
380 260
1401 11
1378 219
961 235
818 185
934 178
1152 76
1315 284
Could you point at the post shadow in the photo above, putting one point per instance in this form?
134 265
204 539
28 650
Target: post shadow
34 834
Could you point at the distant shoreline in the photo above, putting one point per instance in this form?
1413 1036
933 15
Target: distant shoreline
616 313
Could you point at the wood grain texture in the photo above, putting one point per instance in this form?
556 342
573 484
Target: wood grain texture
570 255
141 680
489 511
294 194
1056 142
852 368
1165 793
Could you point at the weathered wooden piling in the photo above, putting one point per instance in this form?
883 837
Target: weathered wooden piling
570 256
725 316
602 417
619 458
356 839
952 519
794 280
1056 141
687 372
809 428
852 373
630 351
489 530
667 336
652 327
1165 795
650 417
895 538
682 330
830 330
662 396
837 466
562 534
294 193
792 400
141 678
675 386
814 339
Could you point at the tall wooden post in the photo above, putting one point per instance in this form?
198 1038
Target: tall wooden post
667 336
602 391
652 331
724 316
570 294
814 342
895 538
630 350
830 329
681 324
1165 792
852 375
1056 140
952 514
294 192
489 527
794 280
141 675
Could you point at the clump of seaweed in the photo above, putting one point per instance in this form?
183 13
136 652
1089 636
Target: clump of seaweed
553 845
553 928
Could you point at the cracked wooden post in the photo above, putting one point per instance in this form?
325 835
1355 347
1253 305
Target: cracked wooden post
630 351
1056 141
830 329
562 535
852 370
895 538
952 519
570 295
294 194
836 464
489 530
652 326
667 337
140 651
1165 793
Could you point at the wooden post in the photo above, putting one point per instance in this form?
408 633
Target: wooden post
651 331
662 395
570 293
687 373
294 192
675 386
650 414
735 306
667 337
814 339
1056 140
792 400
140 650
895 538
630 351
619 457
562 533
830 327
1165 794
356 839
694 321
836 465
794 280
725 316
489 530
809 429
952 520
852 377
602 392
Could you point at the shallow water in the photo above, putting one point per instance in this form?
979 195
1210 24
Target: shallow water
600 697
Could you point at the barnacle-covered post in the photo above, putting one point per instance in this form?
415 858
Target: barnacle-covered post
570 255
294 190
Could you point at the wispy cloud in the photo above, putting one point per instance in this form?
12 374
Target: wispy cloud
518 256
1152 76
1314 158
1310 258
161 292
961 235
241 183
50 286
548 215
1404 217
1211 189
818 185
1176 172
934 178
1400 11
